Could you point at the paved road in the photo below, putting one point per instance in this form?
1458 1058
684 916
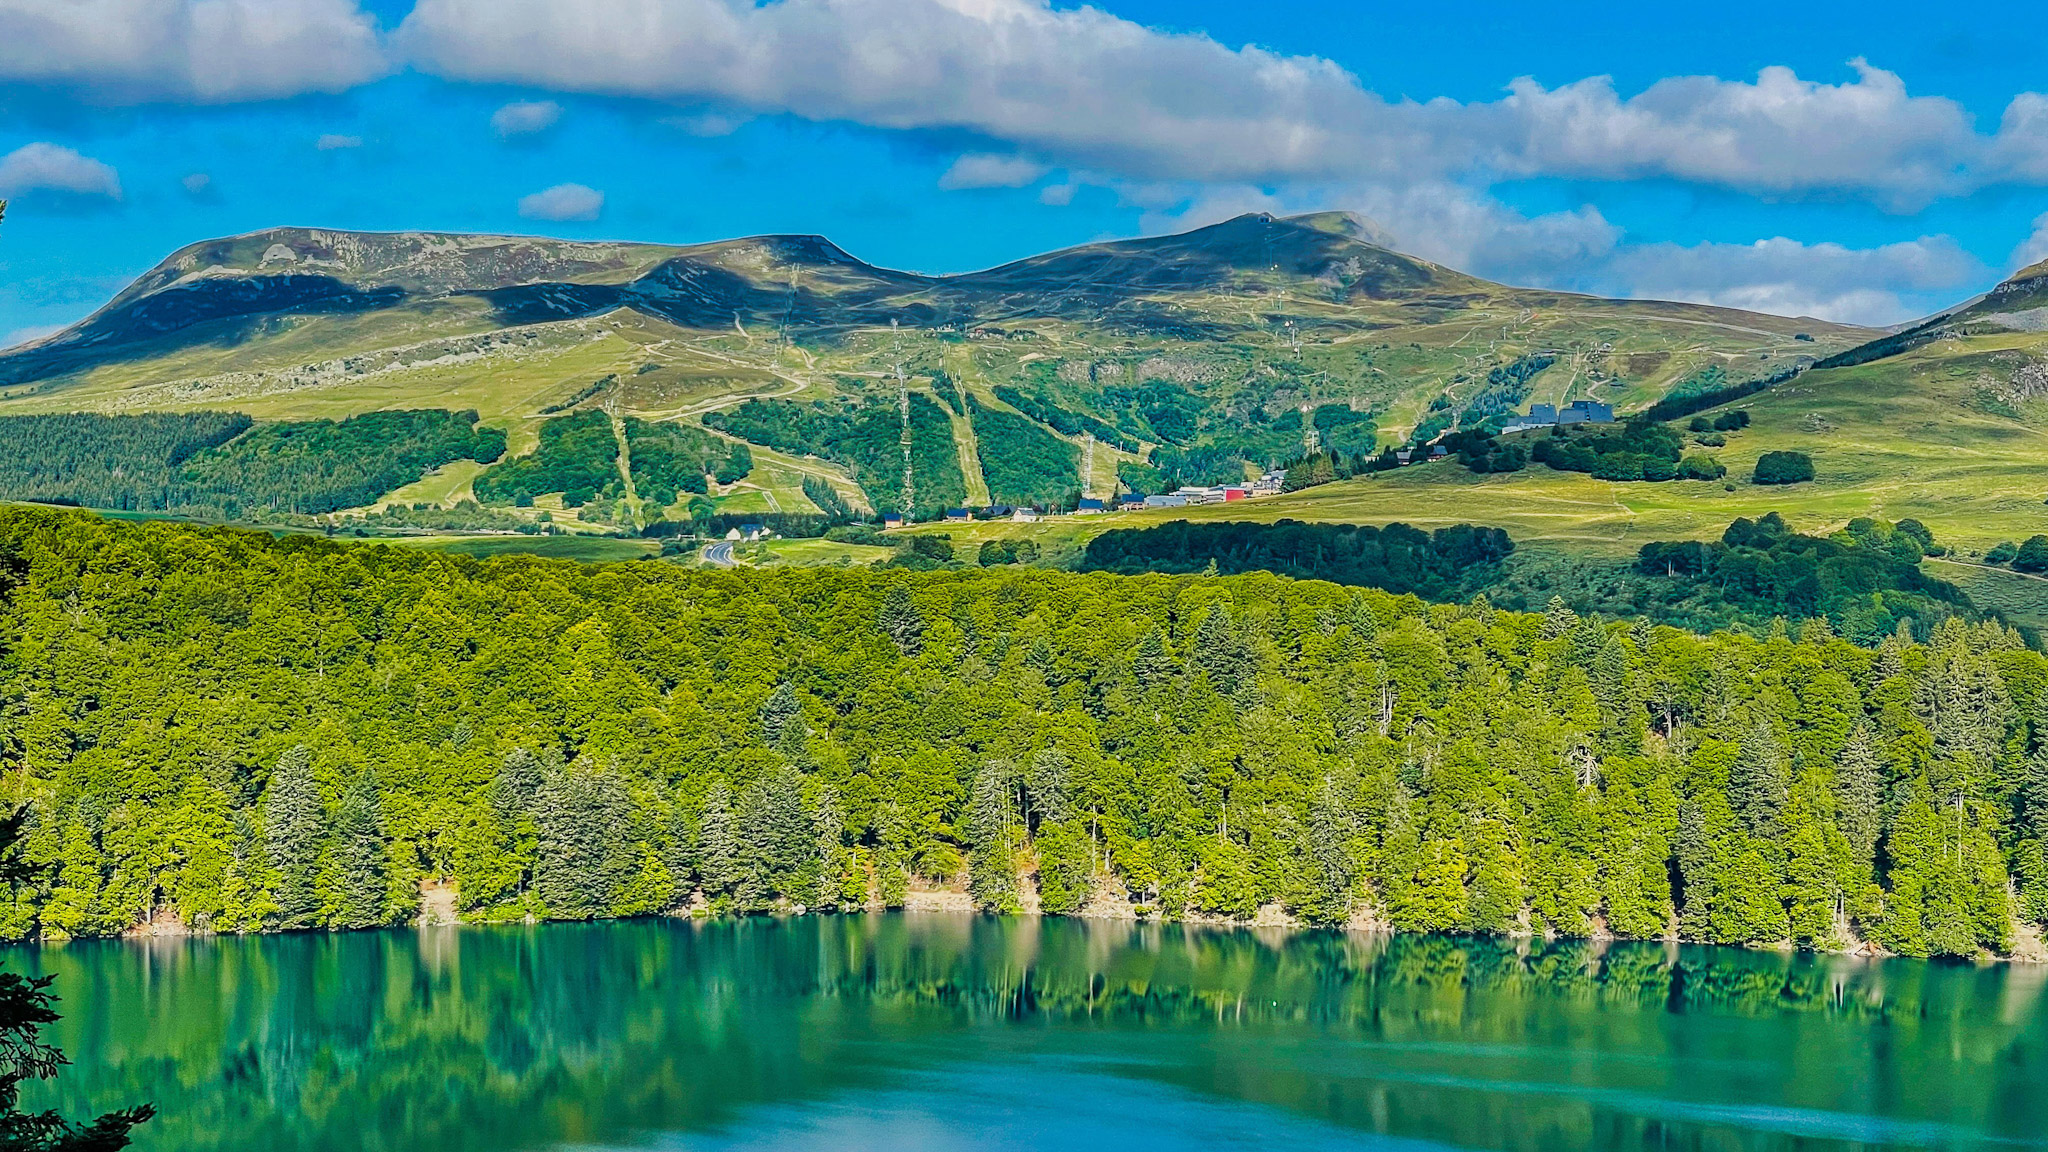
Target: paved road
719 555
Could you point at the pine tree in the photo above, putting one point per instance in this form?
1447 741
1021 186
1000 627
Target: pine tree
901 620
991 814
777 844
580 853
1759 781
294 831
1329 872
718 851
1151 662
1859 794
782 719
1221 652
1048 785
360 888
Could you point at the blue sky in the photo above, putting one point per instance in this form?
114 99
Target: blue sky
1867 162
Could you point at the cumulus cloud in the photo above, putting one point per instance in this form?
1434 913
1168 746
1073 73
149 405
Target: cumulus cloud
525 117
1778 134
43 167
334 142
2034 248
1881 285
1081 87
985 170
201 51
563 202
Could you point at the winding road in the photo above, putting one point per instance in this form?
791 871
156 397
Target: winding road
719 555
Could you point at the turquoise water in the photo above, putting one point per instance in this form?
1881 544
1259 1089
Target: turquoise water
912 1032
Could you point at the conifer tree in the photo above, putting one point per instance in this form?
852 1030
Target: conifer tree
991 814
901 620
360 889
1758 782
1859 794
718 854
579 857
782 718
294 830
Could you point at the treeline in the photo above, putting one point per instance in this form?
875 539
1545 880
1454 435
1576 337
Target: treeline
668 459
1435 565
867 439
1866 580
572 741
1638 450
122 463
1022 462
223 464
310 467
1060 419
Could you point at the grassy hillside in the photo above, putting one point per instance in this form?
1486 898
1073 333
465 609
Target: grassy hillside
1203 347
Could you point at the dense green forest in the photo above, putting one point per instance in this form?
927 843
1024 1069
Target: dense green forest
1865 580
1450 563
578 456
246 732
668 459
222 464
314 466
867 439
1022 462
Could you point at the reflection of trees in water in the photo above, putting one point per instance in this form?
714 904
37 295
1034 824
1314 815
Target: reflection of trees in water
492 1038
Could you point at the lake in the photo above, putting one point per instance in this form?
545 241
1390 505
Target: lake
921 1031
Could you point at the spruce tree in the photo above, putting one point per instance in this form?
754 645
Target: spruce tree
581 855
293 830
1759 781
782 717
1859 794
777 845
1048 785
991 814
901 621
361 895
718 855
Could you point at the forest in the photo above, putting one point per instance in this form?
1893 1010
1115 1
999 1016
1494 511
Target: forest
1022 462
867 439
578 456
248 733
223 464
1449 563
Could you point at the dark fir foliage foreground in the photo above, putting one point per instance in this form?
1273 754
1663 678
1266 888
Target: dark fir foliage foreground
27 1004
256 733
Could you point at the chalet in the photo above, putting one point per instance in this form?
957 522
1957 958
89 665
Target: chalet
1404 456
1438 452
892 520
1024 516
958 515
1089 506
1131 504
753 532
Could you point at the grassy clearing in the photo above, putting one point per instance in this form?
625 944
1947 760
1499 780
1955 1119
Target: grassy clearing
591 549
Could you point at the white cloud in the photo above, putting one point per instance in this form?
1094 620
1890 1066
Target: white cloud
334 142
563 202
43 167
987 170
201 51
525 117
198 183
2034 248
1081 87
1779 134
1881 285
2023 138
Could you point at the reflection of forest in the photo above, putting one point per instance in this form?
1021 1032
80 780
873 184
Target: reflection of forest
516 1037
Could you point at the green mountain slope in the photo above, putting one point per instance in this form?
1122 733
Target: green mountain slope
1206 346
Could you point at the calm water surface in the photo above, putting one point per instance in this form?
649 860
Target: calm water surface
911 1032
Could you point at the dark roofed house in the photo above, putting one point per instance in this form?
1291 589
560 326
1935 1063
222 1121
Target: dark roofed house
892 520
958 515
1088 505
